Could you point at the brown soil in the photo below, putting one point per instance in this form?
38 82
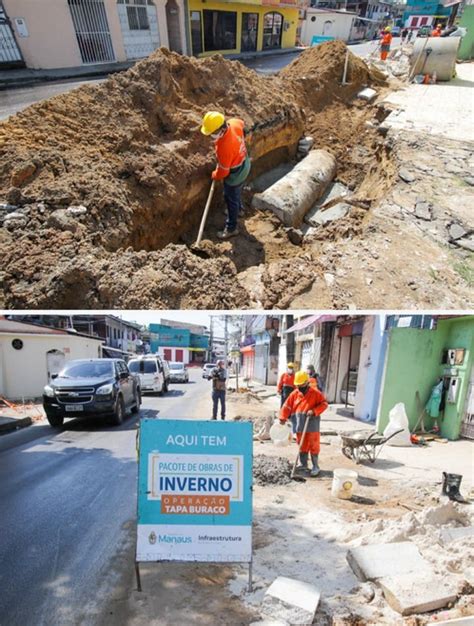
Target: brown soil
130 151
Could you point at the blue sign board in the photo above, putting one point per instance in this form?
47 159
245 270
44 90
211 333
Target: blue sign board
194 491
317 39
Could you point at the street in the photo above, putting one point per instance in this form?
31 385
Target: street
68 503
14 100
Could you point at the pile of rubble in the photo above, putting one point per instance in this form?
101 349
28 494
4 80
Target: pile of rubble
271 470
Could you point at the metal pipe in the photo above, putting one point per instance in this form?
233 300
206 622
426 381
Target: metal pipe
346 63
348 372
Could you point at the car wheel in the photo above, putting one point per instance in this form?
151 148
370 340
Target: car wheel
138 401
55 421
119 412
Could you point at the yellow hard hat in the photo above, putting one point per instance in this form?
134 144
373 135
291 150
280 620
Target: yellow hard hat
291 366
301 378
211 122
387 29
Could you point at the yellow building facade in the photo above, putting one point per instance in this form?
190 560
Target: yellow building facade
239 27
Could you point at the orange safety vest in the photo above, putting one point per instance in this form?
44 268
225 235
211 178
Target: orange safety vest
286 380
386 39
298 404
230 149
436 32
313 382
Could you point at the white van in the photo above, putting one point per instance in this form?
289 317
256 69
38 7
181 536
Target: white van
153 372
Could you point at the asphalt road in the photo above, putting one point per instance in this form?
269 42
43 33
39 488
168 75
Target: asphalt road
14 100
68 502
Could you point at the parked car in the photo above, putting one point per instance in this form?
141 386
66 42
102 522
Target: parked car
396 31
179 373
92 388
153 372
207 369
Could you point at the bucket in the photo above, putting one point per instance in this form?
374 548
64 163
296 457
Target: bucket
280 435
342 483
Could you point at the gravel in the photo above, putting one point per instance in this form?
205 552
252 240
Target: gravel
271 470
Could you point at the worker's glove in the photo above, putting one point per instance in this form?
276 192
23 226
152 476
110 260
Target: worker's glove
309 414
282 422
214 175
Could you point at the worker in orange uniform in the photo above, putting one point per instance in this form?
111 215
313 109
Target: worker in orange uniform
306 404
437 31
385 43
233 163
314 378
286 384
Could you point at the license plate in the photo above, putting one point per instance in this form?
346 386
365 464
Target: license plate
74 407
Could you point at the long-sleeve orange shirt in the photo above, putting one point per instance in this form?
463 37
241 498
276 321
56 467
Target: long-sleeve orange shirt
230 149
298 404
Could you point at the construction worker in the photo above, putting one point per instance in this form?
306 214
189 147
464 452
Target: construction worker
306 404
286 384
233 163
314 378
437 31
219 380
385 43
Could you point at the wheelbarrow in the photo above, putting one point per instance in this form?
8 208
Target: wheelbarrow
364 445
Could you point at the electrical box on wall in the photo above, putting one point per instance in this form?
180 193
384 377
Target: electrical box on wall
455 356
454 383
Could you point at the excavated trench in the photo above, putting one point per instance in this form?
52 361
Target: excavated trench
103 186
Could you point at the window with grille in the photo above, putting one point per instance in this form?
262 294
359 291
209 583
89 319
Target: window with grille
137 18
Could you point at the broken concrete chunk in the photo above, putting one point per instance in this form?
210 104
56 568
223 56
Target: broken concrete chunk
291 197
417 593
295 235
76 210
469 180
387 559
406 175
466 242
305 145
456 231
367 94
291 600
423 210
458 621
448 535
320 217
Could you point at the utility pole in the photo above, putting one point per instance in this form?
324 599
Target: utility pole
211 339
226 339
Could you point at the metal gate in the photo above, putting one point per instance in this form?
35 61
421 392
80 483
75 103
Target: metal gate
10 54
92 30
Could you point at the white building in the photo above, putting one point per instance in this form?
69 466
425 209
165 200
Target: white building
330 24
30 354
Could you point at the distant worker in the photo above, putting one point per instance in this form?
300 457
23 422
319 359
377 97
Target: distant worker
219 380
314 378
385 43
404 34
410 35
305 404
437 31
286 384
233 163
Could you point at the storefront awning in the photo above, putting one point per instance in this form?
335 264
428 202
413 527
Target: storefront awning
308 321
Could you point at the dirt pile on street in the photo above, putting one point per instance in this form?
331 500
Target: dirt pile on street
271 470
101 180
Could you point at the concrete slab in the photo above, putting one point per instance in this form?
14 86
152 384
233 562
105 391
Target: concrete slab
320 217
448 535
417 593
367 94
291 600
385 560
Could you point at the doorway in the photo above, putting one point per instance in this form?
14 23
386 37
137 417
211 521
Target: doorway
174 28
10 55
92 30
272 30
55 360
248 42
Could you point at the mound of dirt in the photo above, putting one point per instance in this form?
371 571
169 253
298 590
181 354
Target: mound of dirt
271 470
103 179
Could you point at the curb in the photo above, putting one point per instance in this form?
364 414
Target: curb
16 425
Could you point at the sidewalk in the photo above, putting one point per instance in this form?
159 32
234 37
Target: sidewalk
9 79
445 109
19 416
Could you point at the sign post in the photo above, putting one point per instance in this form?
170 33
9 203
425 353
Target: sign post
194 492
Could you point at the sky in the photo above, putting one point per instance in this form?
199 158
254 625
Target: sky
202 318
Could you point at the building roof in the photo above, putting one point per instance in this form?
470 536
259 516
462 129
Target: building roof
22 328
328 10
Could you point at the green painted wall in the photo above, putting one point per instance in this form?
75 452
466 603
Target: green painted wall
466 49
414 364
460 335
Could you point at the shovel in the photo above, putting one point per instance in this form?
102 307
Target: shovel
195 247
294 475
